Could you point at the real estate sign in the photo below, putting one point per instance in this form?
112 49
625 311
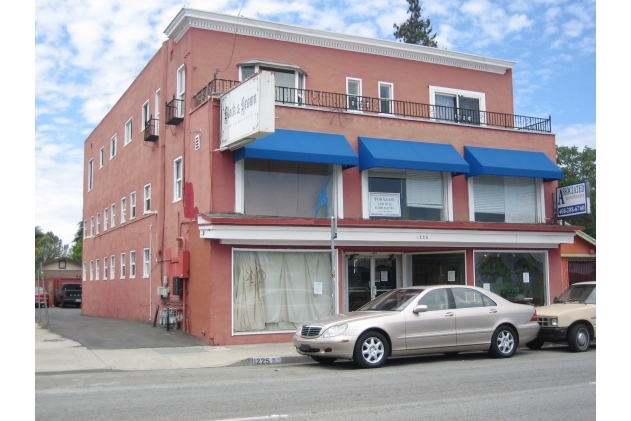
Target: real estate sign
247 111
573 200
385 204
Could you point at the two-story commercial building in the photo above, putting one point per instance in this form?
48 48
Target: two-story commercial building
371 164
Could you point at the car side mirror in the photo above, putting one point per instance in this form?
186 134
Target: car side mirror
420 309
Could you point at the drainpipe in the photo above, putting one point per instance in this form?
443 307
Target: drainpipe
182 241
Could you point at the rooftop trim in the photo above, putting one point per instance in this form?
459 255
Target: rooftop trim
192 18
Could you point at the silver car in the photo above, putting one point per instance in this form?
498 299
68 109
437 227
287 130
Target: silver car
420 320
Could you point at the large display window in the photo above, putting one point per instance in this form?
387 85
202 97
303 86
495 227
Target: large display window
278 290
515 275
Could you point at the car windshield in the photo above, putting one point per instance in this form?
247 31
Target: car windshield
395 300
579 294
73 287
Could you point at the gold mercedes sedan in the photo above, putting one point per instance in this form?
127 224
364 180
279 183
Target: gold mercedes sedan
420 320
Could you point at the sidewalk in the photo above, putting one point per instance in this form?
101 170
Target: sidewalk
54 354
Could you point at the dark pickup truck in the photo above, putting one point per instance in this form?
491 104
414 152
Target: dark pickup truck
68 294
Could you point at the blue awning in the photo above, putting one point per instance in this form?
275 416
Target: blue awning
512 163
407 155
299 146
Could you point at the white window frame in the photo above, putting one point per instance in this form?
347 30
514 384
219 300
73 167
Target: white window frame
113 142
540 204
105 268
113 214
90 174
98 223
101 157
106 218
448 201
92 226
146 260
391 99
132 264
156 128
180 83
97 270
144 115
112 267
480 96
84 273
146 203
132 205
300 79
359 95
123 210
123 266
128 131
177 181
85 229
92 270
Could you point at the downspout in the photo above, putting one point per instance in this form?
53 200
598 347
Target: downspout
182 241
150 254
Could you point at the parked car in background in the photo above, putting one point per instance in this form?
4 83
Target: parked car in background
570 319
69 293
41 297
420 320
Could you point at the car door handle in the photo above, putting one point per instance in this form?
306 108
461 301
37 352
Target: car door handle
449 314
493 310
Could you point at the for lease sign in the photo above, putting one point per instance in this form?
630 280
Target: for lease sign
573 200
385 204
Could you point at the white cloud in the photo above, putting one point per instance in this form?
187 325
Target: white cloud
579 135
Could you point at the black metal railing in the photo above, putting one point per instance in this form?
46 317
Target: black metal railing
151 129
215 87
345 102
174 112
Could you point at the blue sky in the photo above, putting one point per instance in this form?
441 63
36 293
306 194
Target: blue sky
88 53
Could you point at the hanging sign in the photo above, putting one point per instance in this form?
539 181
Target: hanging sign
573 200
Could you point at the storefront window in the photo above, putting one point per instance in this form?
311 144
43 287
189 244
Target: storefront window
437 269
516 276
291 189
277 291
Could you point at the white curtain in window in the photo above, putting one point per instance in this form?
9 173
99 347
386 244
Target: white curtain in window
514 197
488 194
275 291
424 189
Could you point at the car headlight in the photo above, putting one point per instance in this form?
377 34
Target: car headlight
334 331
554 321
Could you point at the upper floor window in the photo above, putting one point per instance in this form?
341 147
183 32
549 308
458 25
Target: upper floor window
132 205
113 215
101 156
385 98
145 115
457 105
145 263
113 142
307 188
354 93
83 275
147 198
85 228
177 179
91 270
123 210
123 266
105 218
156 113
92 226
90 174
289 79
105 268
98 223
97 270
112 267
180 90
410 195
128 132
132 264
506 199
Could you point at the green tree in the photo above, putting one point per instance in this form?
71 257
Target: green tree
76 250
415 30
48 246
580 166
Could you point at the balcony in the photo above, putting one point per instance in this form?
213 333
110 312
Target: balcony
174 112
354 103
151 130
214 88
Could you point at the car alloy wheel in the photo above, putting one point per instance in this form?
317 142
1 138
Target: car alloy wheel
578 338
371 350
503 344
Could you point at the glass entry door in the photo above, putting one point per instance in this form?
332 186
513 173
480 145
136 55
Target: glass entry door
369 277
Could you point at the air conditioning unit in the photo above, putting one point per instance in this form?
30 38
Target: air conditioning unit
163 291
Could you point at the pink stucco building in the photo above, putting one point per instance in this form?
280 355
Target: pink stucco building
414 151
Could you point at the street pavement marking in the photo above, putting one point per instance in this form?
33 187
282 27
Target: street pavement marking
262 417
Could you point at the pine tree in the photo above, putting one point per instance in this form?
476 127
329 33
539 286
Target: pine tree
415 30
